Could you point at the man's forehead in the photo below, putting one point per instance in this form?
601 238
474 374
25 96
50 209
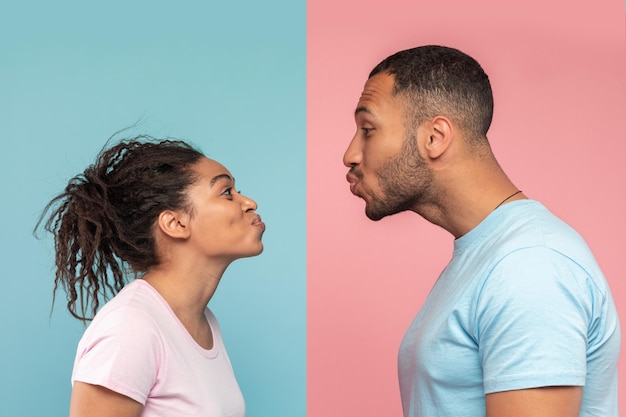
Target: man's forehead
382 82
378 88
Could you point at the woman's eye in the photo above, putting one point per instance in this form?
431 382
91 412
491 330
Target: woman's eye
366 130
228 192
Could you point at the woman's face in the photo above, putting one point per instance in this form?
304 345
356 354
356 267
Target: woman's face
223 222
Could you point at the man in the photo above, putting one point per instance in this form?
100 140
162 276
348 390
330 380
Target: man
521 322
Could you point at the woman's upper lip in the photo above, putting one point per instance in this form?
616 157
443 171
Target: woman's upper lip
258 222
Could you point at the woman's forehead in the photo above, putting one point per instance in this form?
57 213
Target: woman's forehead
211 170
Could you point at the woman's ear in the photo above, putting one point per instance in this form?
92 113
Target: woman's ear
440 133
174 224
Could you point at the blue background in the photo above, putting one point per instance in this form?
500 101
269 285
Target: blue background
229 78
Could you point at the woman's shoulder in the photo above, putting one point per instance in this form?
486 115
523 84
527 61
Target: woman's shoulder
137 294
136 307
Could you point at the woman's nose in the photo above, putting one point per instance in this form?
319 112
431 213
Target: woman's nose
248 204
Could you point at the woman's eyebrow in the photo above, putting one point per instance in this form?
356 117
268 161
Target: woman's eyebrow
221 176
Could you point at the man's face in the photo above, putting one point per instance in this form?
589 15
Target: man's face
386 169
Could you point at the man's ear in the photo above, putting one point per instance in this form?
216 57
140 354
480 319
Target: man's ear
440 132
174 224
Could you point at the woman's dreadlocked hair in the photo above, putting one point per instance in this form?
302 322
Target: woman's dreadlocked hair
103 223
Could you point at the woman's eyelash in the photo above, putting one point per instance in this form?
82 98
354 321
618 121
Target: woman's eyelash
229 191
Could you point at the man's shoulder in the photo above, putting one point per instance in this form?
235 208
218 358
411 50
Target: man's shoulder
529 224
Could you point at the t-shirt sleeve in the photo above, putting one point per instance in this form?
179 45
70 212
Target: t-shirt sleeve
120 351
532 317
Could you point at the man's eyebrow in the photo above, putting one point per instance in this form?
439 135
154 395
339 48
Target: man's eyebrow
362 109
219 177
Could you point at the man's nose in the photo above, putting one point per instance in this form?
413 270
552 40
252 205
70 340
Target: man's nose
353 154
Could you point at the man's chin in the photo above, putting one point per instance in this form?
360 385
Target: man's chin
375 215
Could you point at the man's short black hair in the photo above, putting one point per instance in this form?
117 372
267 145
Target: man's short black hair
438 80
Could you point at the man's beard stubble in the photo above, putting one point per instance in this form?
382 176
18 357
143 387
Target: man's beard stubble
404 179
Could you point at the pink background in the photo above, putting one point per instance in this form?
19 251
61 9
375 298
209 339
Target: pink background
557 69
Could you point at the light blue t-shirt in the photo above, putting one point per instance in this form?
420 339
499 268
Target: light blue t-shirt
522 304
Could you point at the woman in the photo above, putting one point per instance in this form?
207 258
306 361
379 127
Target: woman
172 217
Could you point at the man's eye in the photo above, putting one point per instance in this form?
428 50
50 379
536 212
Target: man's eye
366 130
228 191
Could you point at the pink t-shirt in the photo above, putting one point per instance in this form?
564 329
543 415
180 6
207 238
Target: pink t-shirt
136 346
